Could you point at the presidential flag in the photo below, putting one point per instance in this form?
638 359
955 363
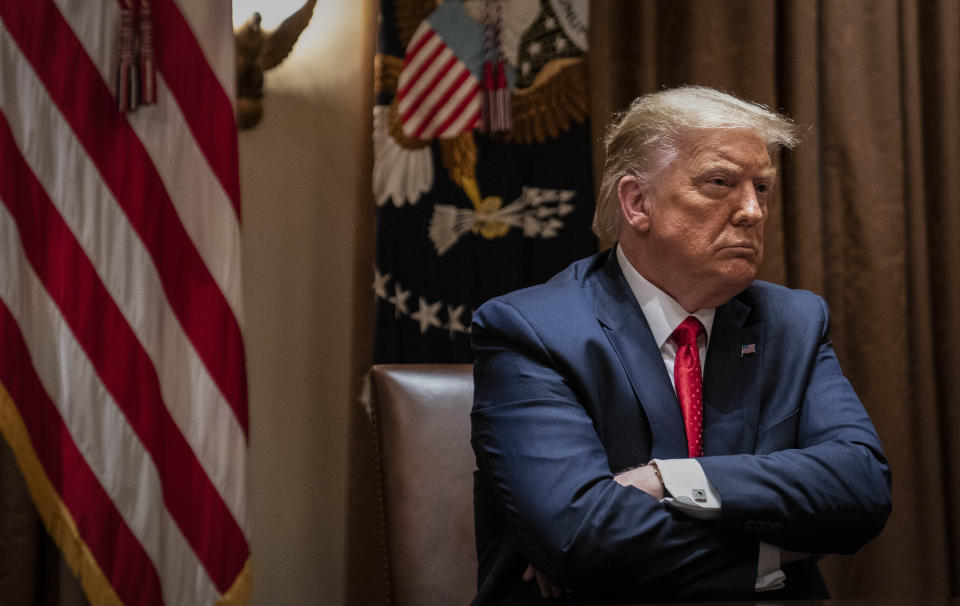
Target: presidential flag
482 164
122 379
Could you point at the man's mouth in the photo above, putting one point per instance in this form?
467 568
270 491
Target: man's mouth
742 247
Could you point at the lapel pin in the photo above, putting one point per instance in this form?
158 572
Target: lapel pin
746 350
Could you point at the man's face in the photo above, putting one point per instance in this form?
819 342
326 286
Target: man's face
707 212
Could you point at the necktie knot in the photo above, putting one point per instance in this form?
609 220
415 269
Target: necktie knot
688 332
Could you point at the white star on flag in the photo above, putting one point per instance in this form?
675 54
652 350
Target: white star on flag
453 314
400 300
380 283
427 315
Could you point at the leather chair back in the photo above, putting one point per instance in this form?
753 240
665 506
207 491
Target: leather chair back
421 415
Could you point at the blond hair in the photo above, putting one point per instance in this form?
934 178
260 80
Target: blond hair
643 140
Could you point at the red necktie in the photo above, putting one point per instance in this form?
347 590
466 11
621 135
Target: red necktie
689 382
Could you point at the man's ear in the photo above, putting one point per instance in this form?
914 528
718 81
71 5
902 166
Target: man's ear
634 203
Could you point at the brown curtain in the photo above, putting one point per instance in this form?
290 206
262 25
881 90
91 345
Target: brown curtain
868 216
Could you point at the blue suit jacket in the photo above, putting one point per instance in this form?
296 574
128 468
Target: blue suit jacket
571 389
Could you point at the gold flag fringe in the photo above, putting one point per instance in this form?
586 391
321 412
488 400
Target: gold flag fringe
239 592
55 515
61 526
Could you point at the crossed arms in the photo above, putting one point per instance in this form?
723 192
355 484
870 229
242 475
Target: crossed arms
824 490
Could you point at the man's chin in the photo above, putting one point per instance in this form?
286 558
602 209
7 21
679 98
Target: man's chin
737 278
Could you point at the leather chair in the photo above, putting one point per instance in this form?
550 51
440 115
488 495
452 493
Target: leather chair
421 418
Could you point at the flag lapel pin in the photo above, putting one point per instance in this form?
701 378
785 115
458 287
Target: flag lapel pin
746 350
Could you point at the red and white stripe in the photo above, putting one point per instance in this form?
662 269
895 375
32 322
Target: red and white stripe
120 294
437 96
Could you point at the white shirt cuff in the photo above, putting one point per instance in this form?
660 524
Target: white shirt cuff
689 489
691 492
769 575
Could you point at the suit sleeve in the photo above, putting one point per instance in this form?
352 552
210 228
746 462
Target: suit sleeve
571 520
829 490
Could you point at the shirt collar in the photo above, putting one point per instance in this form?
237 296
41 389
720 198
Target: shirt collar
662 312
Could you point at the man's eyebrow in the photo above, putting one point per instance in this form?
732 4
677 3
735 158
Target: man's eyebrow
728 166
717 164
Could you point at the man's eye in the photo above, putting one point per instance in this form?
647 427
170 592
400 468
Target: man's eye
762 188
720 181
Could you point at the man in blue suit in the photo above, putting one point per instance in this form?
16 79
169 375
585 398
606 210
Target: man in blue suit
612 464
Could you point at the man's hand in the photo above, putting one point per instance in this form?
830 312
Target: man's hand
547 589
644 477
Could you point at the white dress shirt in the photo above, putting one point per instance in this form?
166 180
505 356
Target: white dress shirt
682 476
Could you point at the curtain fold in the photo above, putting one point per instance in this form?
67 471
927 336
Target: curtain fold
867 215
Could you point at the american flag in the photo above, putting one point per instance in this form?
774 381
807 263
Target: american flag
437 94
122 376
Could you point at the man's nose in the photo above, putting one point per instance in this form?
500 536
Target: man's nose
750 210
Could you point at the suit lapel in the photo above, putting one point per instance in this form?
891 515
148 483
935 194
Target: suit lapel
626 328
732 382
